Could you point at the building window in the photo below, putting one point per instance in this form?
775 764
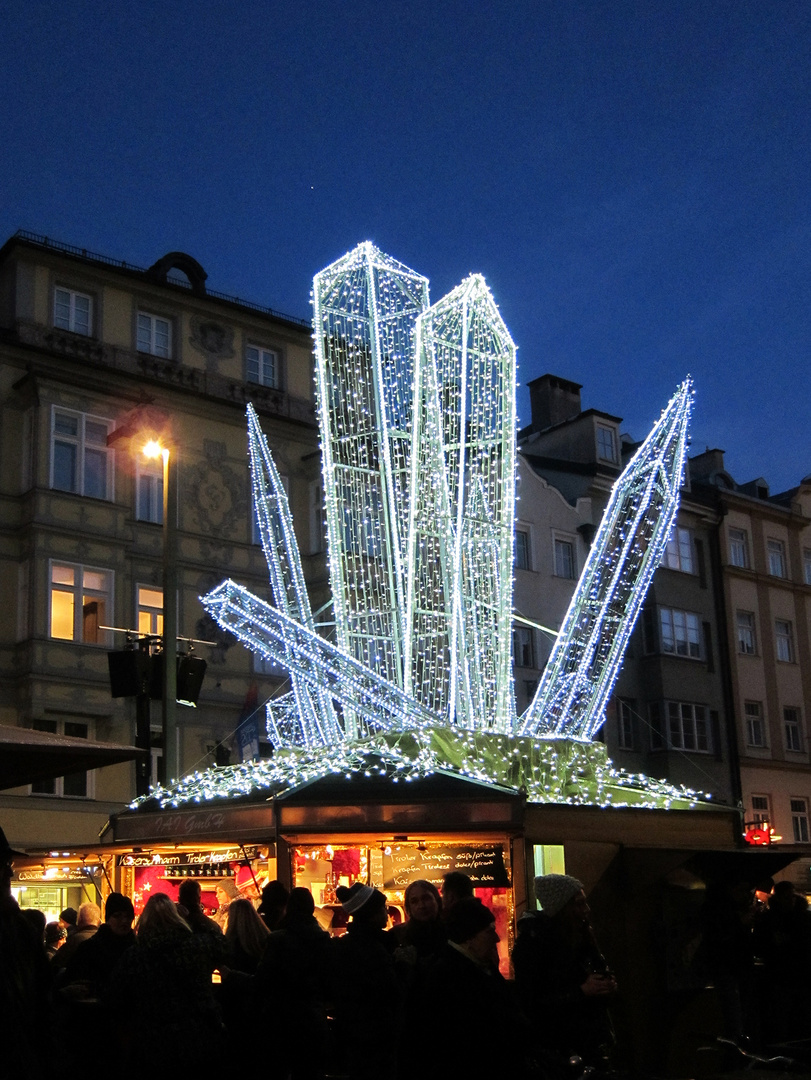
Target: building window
679 551
73 311
564 559
522 560
75 786
81 461
149 610
81 597
688 727
807 565
149 490
154 335
792 726
680 632
625 725
745 622
606 444
262 366
799 820
755 729
318 518
523 647
777 558
761 811
738 548
784 641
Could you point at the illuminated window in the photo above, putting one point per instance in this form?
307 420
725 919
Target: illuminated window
679 551
522 561
755 728
523 647
149 610
792 726
784 641
154 335
680 632
606 444
80 459
262 366
799 820
745 623
149 490
80 599
777 558
75 786
738 548
72 311
564 559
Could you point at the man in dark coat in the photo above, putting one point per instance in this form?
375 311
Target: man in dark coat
94 960
562 977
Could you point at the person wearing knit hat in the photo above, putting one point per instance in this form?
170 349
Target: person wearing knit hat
554 891
562 976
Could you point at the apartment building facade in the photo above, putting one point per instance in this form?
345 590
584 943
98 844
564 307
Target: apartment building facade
90 348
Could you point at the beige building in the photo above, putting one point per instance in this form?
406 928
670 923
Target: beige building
765 546
87 345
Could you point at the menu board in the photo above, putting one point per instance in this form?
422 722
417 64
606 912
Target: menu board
483 864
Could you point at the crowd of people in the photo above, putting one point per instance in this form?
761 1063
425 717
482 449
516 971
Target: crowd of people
179 990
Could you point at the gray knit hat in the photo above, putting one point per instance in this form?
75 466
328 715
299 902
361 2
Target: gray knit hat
353 898
554 891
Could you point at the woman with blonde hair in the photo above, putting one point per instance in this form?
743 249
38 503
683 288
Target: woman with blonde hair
162 985
246 936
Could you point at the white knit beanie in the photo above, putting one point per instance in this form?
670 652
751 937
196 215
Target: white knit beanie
554 891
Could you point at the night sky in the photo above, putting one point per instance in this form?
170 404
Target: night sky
632 179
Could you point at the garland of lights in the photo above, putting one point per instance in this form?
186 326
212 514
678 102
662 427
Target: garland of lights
416 409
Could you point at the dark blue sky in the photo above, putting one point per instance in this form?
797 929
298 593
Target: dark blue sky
632 178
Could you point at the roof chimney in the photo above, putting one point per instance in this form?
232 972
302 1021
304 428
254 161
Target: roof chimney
553 401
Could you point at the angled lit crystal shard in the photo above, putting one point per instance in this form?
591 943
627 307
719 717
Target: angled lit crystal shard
637 523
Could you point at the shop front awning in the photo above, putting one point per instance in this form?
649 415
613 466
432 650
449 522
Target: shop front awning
27 756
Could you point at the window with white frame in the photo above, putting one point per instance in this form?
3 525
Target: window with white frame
688 727
523 647
680 632
606 444
799 820
73 311
679 551
745 626
784 641
564 558
153 335
522 560
761 810
625 724
262 366
793 729
776 552
75 786
755 728
149 490
807 565
81 602
149 610
81 461
738 548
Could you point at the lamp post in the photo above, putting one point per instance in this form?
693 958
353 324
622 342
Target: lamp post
155 449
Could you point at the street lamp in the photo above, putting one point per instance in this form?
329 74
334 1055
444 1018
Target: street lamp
154 449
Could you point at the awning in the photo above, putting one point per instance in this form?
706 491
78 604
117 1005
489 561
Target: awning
27 756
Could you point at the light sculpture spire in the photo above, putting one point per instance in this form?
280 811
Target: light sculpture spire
629 545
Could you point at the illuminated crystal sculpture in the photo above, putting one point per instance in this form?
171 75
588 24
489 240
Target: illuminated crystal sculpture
416 408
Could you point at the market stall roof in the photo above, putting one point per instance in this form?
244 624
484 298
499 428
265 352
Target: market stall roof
27 756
